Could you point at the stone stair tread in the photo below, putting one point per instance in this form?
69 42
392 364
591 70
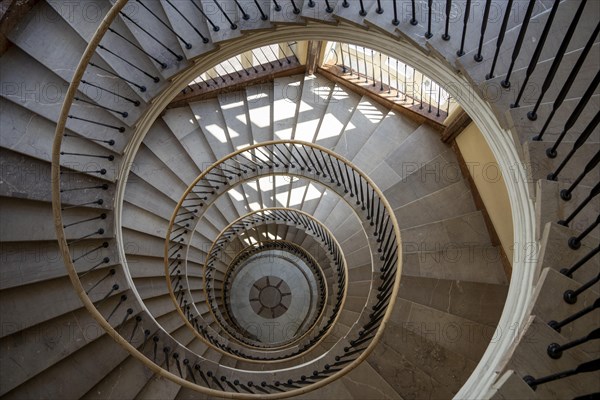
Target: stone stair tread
383 22
447 368
468 229
418 179
17 180
50 109
318 12
511 387
340 108
468 263
259 100
162 39
527 129
225 33
551 208
475 301
455 199
315 97
549 305
26 263
350 12
501 99
35 39
446 328
409 381
366 117
555 252
447 49
286 15
255 22
51 382
184 29
566 10
287 92
530 358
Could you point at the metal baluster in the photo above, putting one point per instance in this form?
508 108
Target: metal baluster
532 115
575 115
140 87
161 63
153 77
505 83
565 194
362 11
461 51
124 114
589 366
365 63
277 6
245 15
500 38
570 296
568 272
177 56
413 20
232 25
296 9
486 14
373 66
328 7
536 53
446 35
569 82
215 28
578 143
575 241
204 38
379 9
429 34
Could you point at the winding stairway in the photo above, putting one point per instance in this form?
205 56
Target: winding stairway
452 290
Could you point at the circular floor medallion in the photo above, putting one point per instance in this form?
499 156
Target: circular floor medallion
270 297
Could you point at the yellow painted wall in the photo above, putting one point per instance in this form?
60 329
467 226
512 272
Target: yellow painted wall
490 183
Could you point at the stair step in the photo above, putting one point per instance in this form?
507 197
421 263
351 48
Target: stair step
526 129
460 335
363 382
464 230
501 99
35 39
84 374
340 107
319 12
510 387
555 252
366 117
455 199
219 18
540 165
79 20
549 304
316 92
566 10
393 131
409 381
530 358
21 178
287 16
449 370
164 44
259 100
420 179
349 12
186 20
255 11
479 302
34 221
287 92
551 208
26 263
183 124
49 105
450 261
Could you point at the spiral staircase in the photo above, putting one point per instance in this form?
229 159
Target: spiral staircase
131 223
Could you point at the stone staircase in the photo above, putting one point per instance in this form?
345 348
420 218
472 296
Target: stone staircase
446 312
